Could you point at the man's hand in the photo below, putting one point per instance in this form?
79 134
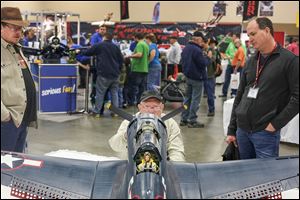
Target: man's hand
209 54
235 70
230 139
136 55
270 128
87 67
7 119
205 46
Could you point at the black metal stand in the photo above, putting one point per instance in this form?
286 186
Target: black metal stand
86 98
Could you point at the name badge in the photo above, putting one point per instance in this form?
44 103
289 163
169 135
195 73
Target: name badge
253 93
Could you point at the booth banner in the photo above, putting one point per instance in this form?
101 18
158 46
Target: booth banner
250 9
219 8
297 20
124 10
156 13
57 88
279 37
240 8
57 95
266 8
183 31
163 31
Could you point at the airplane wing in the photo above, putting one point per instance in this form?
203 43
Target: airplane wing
29 176
253 178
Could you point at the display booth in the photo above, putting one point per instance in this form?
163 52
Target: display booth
46 21
56 87
289 133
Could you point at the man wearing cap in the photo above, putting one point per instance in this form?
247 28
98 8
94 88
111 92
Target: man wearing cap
18 94
210 83
194 63
151 102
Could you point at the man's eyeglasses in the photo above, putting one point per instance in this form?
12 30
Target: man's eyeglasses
15 28
153 107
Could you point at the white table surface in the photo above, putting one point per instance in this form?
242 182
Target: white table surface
289 133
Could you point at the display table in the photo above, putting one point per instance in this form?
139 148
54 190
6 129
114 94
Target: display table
56 87
289 133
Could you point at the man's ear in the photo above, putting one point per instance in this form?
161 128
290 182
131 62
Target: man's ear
162 106
268 30
139 106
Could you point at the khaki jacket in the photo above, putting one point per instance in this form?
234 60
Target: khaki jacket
13 92
175 146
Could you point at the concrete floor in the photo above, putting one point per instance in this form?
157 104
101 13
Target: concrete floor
91 135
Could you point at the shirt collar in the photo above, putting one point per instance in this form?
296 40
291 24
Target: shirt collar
276 50
7 45
193 43
4 43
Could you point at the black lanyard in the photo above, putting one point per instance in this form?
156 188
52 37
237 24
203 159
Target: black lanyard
259 67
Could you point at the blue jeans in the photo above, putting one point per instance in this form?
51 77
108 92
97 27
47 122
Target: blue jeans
137 84
229 71
193 96
209 86
107 98
261 144
13 138
102 85
120 95
153 78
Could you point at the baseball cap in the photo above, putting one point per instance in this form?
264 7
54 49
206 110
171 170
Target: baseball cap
199 34
150 94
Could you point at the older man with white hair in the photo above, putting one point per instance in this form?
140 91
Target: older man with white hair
152 102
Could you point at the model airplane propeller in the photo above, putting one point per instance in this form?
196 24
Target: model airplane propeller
51 52
147 174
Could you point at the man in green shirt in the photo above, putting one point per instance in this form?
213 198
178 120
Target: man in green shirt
137 79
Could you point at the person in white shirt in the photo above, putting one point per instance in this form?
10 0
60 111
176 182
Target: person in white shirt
173 57
151 102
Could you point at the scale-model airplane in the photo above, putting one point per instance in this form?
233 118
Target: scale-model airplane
147 174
